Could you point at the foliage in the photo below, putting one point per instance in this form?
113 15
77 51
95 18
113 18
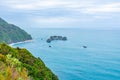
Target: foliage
20 64
11 69
10 33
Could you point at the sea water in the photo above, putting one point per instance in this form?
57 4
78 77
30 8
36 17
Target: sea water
70 61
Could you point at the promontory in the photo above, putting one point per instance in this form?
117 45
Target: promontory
10 33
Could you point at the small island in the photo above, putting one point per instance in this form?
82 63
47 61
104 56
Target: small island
84 46
52 38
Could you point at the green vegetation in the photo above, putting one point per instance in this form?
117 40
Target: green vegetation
20 64
17 63
11 69
10 33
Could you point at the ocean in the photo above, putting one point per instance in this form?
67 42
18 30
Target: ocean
70 61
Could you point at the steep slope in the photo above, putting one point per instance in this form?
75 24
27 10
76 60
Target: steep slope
11 69
20 64
10 33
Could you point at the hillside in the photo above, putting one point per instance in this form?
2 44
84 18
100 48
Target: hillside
20 64
10 33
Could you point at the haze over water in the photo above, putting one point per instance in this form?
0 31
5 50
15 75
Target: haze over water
70 61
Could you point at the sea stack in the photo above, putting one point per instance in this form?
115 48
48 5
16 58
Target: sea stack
52 38
84 46
50 46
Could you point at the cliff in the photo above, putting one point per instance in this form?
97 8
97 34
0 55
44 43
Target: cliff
10 33
20 64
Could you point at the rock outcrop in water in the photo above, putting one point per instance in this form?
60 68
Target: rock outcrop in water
52 38
84 46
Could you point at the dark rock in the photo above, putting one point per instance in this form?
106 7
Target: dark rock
64 38
84 46
50 46
60 37
48 40
52 38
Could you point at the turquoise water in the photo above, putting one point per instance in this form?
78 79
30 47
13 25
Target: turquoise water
70 61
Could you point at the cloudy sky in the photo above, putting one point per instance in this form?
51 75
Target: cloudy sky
90 14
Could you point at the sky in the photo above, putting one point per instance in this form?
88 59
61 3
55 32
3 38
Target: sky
87 14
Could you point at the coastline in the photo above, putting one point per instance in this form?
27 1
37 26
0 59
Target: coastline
26 41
